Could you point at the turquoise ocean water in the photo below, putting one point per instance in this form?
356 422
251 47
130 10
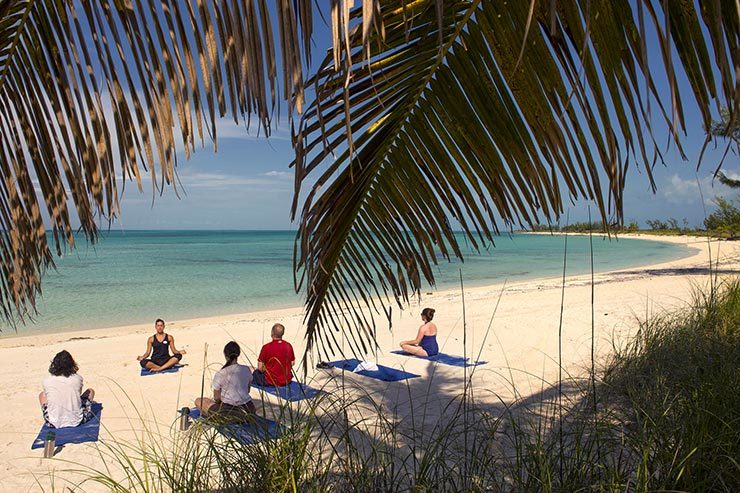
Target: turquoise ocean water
137 276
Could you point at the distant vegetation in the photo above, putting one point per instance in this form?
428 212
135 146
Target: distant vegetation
654 225
722 223
725 221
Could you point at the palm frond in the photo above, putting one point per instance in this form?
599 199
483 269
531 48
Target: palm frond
94 93
521 106
727 181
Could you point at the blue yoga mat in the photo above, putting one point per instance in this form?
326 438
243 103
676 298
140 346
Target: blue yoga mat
87 432
384 373
292 392
257 430
445 359
172 369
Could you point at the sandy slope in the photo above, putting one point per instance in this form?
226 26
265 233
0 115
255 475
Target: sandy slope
521 347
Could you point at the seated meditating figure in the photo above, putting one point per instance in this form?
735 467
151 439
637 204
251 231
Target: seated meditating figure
425 343
231 385
276 360
63 403
160 345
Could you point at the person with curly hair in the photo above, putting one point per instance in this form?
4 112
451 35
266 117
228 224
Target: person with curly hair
63 403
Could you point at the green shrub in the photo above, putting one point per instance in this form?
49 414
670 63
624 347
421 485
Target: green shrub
725 221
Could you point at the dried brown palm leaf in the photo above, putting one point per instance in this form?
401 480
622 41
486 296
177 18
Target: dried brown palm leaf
96 92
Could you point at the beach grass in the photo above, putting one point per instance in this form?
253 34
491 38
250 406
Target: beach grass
662 416
678 388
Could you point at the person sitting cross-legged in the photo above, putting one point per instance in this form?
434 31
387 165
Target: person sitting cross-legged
425 343
63 403
159 345
231 384
276 360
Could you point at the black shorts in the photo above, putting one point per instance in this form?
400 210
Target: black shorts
258 378
159 362
227 411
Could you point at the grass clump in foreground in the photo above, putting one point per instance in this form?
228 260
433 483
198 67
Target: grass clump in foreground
678 386
663 416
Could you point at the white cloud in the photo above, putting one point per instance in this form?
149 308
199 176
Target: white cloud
223 181
678 190
227 129
217 180
279 174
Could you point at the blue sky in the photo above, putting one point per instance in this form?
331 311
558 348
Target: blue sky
247 184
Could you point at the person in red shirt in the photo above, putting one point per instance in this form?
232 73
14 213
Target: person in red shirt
275 361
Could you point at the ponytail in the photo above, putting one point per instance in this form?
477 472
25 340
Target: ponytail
231 352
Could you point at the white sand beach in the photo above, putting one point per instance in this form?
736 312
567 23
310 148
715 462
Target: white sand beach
521 350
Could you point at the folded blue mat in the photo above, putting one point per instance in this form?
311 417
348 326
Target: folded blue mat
384 373
171 369
445 359
292 392
87 432
258 429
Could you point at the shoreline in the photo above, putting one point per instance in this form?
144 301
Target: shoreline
53 337
518 329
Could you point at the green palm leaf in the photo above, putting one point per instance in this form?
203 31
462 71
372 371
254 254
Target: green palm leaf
518 108
94 93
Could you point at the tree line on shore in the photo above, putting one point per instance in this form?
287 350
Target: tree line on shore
722 223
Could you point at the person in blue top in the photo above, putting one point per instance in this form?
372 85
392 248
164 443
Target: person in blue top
160 345
425 343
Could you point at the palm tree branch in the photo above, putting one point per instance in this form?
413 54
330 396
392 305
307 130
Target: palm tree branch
97 93
475 130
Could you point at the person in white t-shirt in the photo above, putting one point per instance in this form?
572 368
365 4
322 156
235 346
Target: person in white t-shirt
230 388
63 403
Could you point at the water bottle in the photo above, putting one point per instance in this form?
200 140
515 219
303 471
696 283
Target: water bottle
184 418
49 445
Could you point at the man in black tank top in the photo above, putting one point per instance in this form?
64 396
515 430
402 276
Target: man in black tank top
159 345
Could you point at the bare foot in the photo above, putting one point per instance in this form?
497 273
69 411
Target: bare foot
155 369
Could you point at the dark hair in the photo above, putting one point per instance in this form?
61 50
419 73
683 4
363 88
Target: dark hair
428 313
158 320
232 352
63 364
